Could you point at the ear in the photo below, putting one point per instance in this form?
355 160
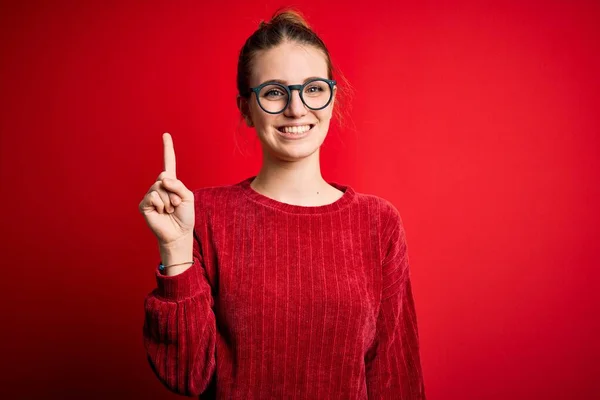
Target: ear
334 94
242 104
331 106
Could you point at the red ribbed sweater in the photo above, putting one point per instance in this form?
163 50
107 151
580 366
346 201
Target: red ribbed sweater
288 302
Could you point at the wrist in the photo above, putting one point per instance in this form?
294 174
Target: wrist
163 268
177 252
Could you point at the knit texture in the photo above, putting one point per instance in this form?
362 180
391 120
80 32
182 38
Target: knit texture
288 302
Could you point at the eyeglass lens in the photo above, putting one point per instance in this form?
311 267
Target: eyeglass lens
274 97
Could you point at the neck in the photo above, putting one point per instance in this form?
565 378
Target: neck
294 182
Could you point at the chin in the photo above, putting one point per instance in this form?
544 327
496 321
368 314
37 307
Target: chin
293 153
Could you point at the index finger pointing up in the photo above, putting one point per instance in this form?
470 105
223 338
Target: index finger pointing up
169 154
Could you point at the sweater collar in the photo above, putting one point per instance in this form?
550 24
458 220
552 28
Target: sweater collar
342 202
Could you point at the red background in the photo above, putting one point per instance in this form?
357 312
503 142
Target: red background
479 122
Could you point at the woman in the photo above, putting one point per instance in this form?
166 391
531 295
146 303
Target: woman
282 285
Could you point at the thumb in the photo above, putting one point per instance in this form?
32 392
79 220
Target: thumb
177 187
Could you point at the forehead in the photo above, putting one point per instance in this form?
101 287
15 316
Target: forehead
289 62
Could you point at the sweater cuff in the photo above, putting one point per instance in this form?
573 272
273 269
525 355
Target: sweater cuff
180 286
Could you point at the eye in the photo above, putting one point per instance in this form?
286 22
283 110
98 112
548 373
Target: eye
274 93
316 89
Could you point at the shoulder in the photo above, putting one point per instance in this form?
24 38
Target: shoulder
209 198
210 192
381 208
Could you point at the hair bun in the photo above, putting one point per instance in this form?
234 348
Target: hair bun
290 16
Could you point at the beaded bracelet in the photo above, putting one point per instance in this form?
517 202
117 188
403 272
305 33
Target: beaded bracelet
162 267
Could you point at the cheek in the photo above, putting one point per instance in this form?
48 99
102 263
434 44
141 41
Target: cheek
264 120
258 117
325 115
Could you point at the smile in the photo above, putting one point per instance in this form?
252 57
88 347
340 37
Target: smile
295 129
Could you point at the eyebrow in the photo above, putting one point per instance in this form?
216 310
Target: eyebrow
286 83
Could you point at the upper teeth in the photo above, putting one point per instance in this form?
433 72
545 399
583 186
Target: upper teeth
295 129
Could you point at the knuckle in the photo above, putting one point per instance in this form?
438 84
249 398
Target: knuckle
161 176
165 197
155 186
174 181
154 195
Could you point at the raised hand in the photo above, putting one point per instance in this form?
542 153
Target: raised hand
168 206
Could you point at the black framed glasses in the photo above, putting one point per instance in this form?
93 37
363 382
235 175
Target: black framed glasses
274 97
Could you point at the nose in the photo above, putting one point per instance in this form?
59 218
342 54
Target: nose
296 108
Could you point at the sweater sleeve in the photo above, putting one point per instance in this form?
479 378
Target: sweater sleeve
393 366
180 329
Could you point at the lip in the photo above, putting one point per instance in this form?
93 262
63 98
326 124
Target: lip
306 123
295 136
